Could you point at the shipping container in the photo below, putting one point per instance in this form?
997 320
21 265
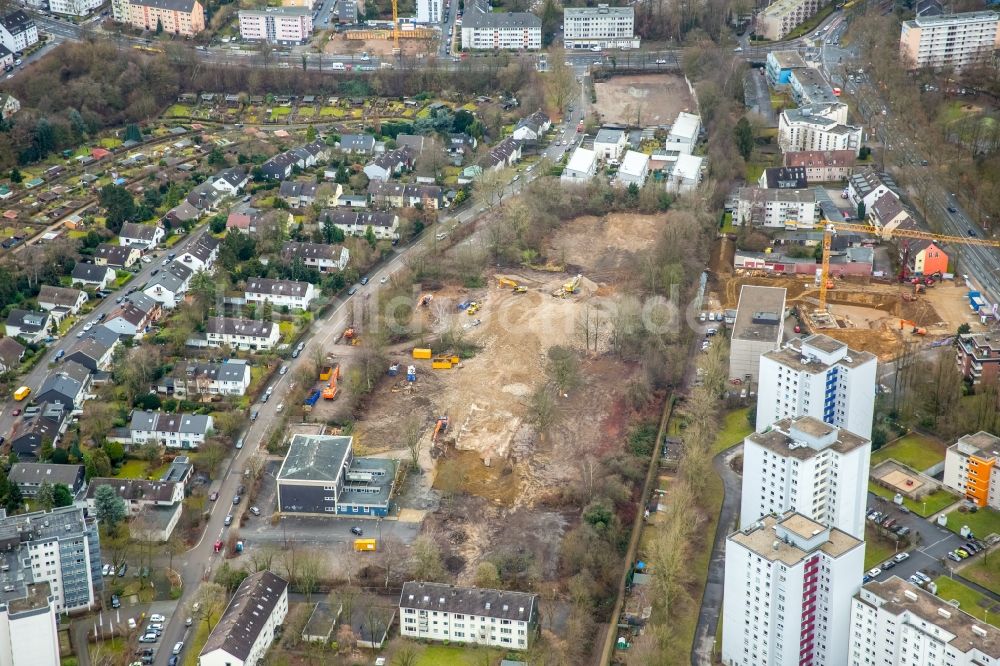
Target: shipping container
422 353
365 545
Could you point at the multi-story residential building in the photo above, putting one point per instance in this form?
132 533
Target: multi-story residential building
61 301
323 257
810 88
683 134
248 625
512 31
780 65
28 633
138 494
73 7
29 477
177 17
600 27
175 431
134 317
782 16
60 547
952 40
280 293
777 208
820 377
287 26
802 130
121 11
978 357
822 166
809 467
202 253
896 623
924 257
17 31
888 214
241 333
968 468
169 285
759 328
868 187
116 256
783 178
787 593
231 377
430 11
477 616
385 226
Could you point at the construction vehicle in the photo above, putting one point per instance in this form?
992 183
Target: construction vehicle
420 352
365 545
349 334
917 330
425 300
21 393
326 373
473 309
464 305
568 288
411 373
444 362
507 282
331 390
395 33
394 369
440 427
886 234
311 400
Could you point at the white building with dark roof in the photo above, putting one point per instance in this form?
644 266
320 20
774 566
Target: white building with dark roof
28 325
385 226
92 275
512 31
248 626
175 431
231 377
201 254
320 256
468 615
145 236
29 477
61 300
17 31
241 333
280 293
169 285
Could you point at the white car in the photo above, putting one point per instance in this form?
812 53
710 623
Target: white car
89 325
178 646
874 572
146 260
385 278
107 569
131 623
281 407
661 61
156 617
901 556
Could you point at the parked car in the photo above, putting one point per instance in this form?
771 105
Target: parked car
255 511
156 617
214 495
874 573
357 531
364 280
954 557
284 369
178 646
115 601
121 572
228 521
888 564
106 569
149 638
254 414
901 556
922 576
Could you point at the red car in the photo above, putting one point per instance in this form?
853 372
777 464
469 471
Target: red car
16 412
214 496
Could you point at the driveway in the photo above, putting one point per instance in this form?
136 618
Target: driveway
758 90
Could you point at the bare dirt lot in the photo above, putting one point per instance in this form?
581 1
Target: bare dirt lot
647 99
380 47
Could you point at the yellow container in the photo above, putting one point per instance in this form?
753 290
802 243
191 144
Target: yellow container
365 545
421 353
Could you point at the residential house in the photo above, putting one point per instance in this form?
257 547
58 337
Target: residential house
389 164
231 377
94 351
317 148
67 386
61 301
241 333
169 285
323 257
357 144
384 225
868 186
133 317
32 327
684 133
144 236
205 197
231 181
685 174
11 353
201 254
180 471
298 193
249 624
609 144
278 167
28 477
92 275
245 222
582 167
413 142
923 257
470 615
386 194
783 178
8 104
505 154
459 145
17 31
783 209
183 212
633 170
139 494
177 17
822 166
43 423
428 197
280 293
353 201
175 431
531 129
304 159
888 214
116 256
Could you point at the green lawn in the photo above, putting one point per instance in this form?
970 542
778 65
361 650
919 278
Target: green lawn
196 644
280 112
985 571
913 450
332 111
179 111
122 278
877 548
982 523
733 430
173 240
306 112
110 143
967 598
933 503
133 469
447 655
753 172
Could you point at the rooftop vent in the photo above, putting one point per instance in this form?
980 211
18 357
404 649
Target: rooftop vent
488 605
911 595
979 631
944 613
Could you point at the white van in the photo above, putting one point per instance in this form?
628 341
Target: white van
338 66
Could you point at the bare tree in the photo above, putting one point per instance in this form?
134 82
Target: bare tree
413 438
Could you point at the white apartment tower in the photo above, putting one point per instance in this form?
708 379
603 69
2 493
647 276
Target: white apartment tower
788 588
950 40
810 467
430 11
819 377
28 634
895 623
599 27
277 25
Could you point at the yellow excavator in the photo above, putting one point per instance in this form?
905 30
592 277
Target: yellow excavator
569 288
507 282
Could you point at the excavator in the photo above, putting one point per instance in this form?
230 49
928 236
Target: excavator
568 287
507 282
917 330
440 427
330 391
425 300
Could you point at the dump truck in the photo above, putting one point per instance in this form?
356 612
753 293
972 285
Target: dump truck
365 545
21 393
419 352
311 400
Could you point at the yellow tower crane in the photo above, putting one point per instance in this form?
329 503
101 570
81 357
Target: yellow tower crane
885 234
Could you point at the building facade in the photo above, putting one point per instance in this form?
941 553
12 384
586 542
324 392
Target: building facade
759 327
600 27
249 624
978 357
779 209
280 293
178 17
820 377
968 468
782 16
896 623
822 166
175 431
464 615
430 11
241 333
802 130
953 40
287 26
17 31
503 31
788 588
28 633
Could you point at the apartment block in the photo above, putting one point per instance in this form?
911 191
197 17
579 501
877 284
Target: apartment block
17 31
820 377
788 588
73 7
177 17
602 27
952 40
978 357
249 624
288 26
776 208
507 31
28 634
896 623
803 130
430 11
782 16
969 465
759 328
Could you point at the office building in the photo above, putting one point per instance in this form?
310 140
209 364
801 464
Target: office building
496 618
896 623
952 40
788 588
600 27
782 16
758 329
810 467
820 377
287 26
430 11
968 468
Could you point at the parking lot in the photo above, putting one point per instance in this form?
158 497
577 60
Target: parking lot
143 620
